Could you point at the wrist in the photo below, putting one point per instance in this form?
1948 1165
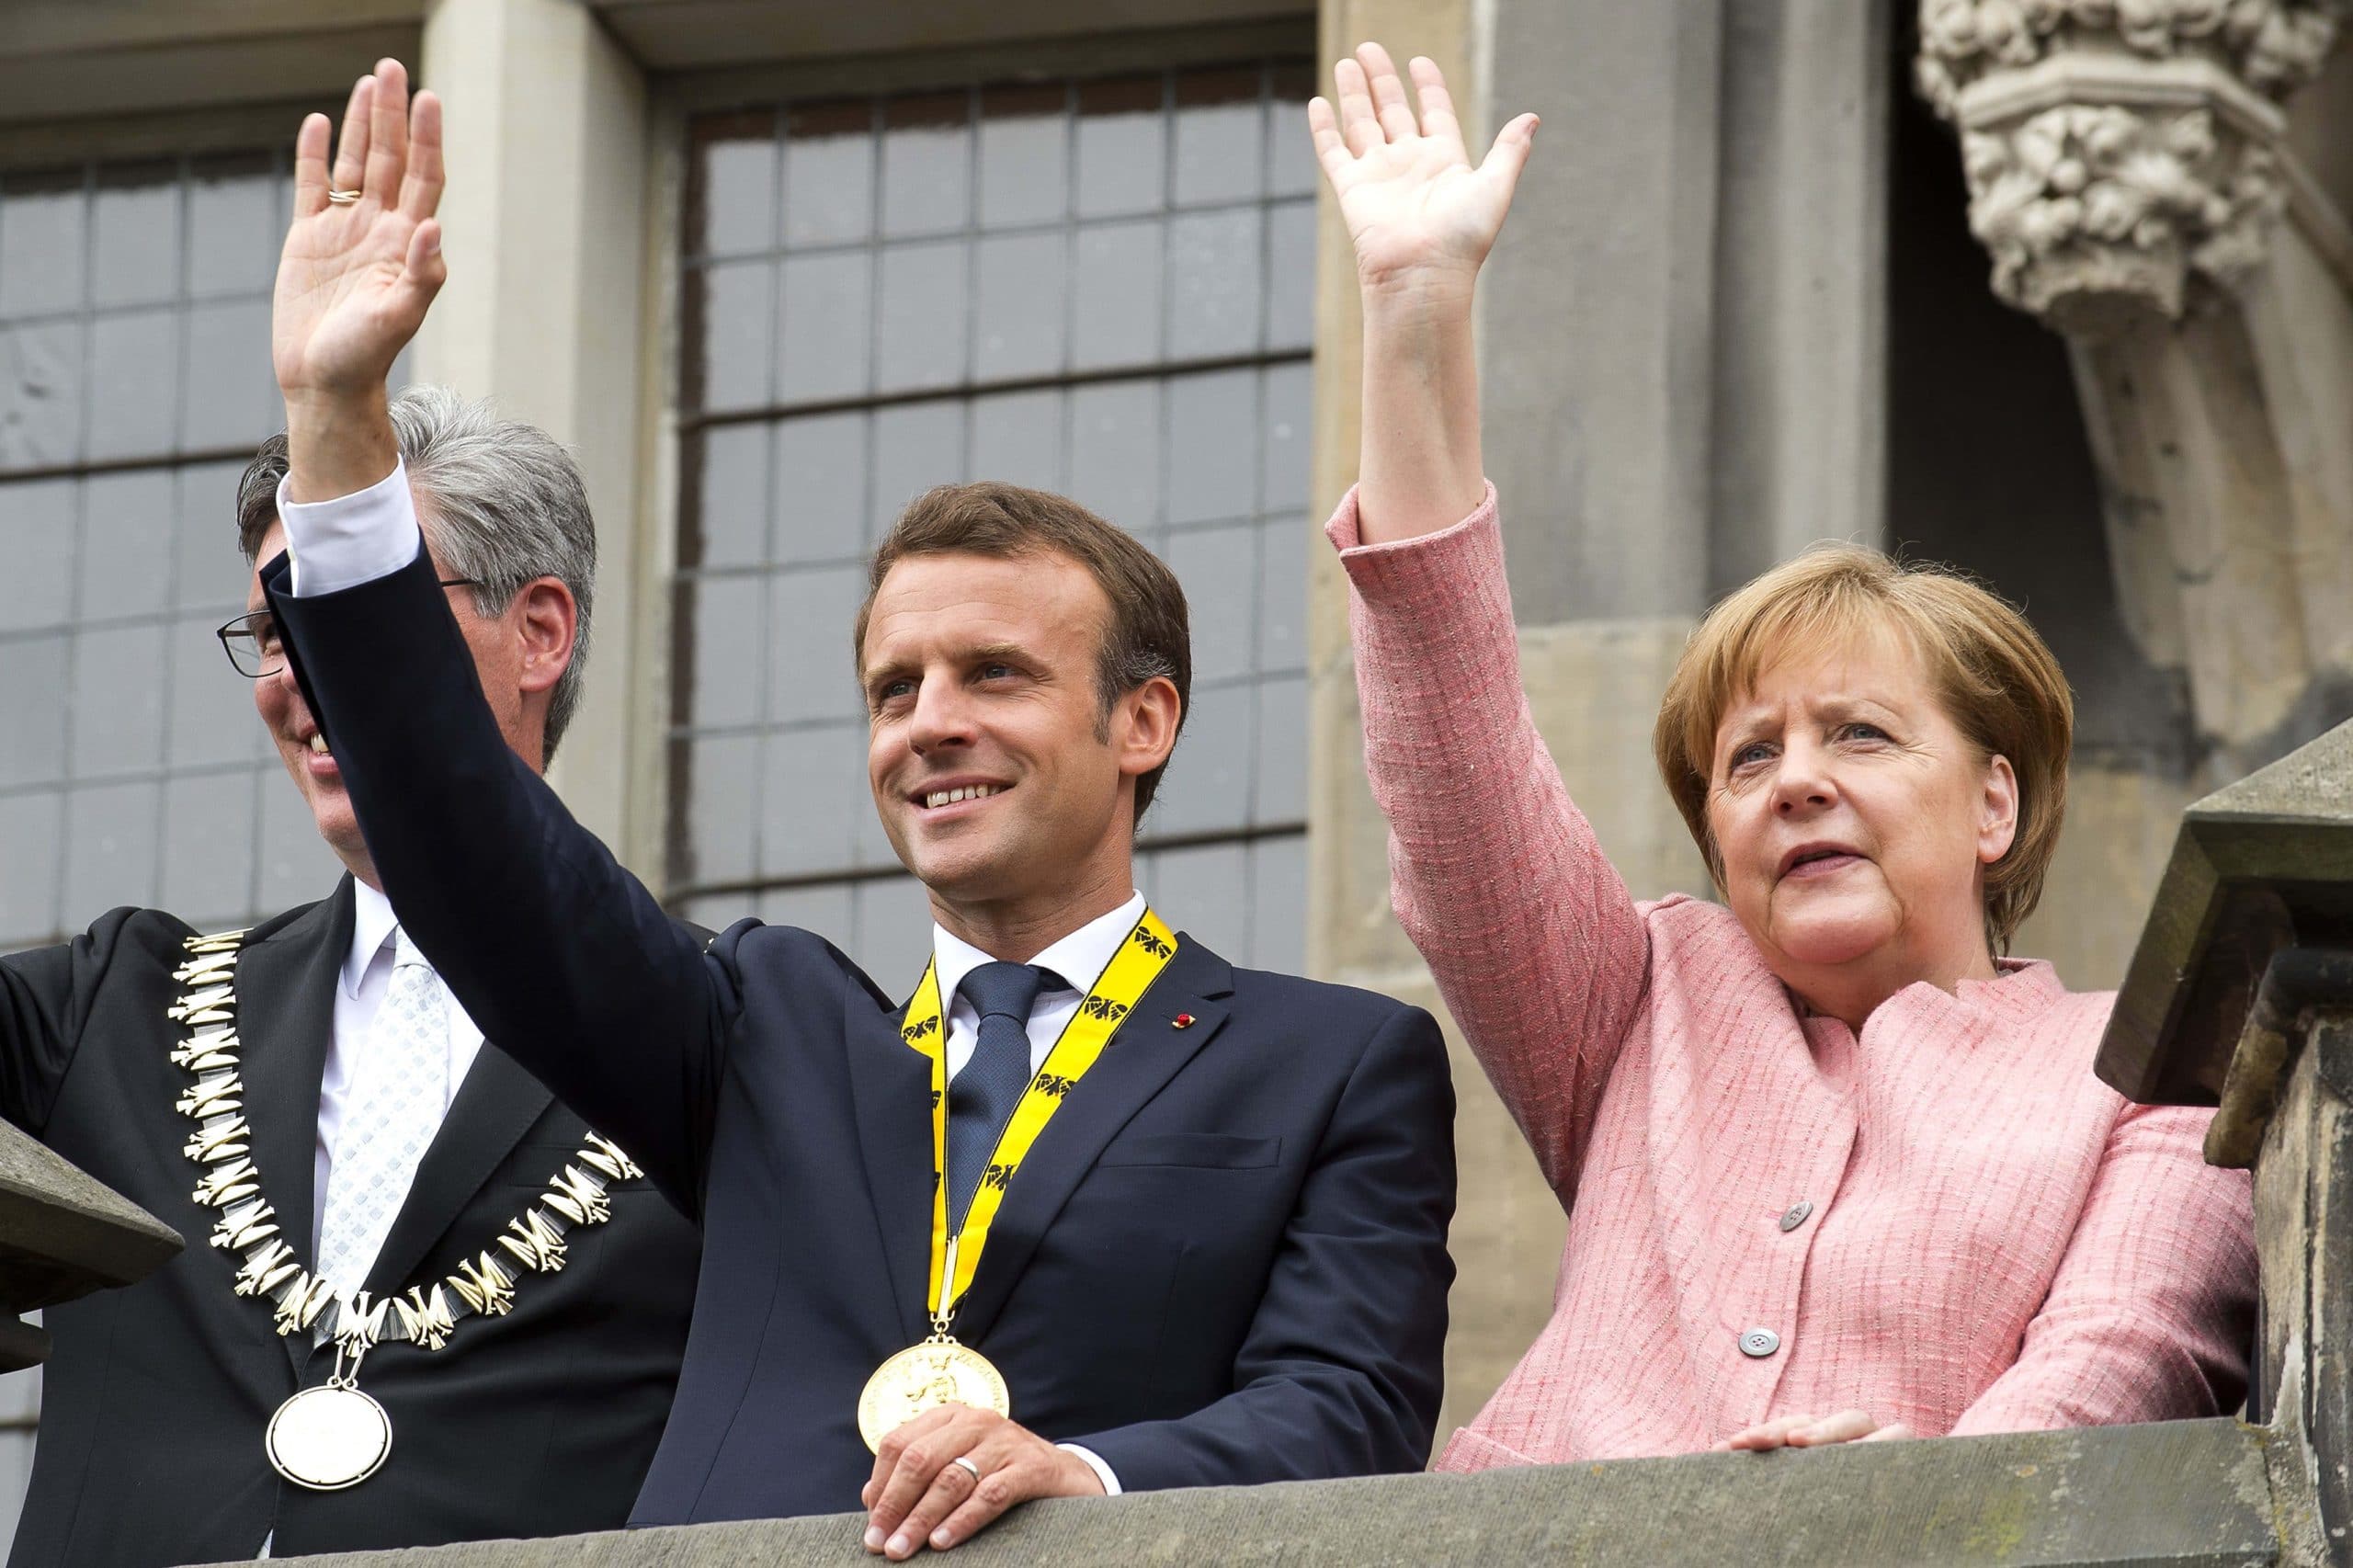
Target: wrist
1435 295
337 443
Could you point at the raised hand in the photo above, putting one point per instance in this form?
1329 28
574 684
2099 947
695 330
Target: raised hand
1417 211
356 277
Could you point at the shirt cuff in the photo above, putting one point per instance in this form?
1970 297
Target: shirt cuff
353 538
1095 1462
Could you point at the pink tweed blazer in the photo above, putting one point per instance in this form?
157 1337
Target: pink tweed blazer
1947 1221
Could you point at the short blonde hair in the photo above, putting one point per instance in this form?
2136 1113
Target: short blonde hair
1997 681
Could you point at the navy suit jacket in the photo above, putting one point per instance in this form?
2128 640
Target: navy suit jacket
1224 1261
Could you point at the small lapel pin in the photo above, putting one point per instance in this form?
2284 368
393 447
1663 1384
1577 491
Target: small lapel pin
1181 1021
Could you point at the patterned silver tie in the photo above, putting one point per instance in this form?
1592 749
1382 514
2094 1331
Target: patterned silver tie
398 1093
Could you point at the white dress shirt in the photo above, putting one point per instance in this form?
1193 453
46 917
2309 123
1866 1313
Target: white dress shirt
360 991
373 533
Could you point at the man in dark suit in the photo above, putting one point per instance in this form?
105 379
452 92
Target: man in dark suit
312 1100
1095 1210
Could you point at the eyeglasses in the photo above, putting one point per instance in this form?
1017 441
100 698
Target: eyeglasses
254 648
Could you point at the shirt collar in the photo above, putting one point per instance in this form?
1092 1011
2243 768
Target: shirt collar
372 923
1080 958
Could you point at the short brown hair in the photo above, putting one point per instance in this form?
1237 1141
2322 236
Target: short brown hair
1997 681
1149 633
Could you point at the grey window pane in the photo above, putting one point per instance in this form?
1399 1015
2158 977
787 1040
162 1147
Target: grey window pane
32 710
1219 151
117 700
233 230
813 674
821 463
295 864
1279 790
1290 282
736 298
872 846
727 615
1208 784
1284 450
40 395
892 934
1115 451
1219 569
1122 148
922 322
228 394
829 177
209 571
37 527
732 498
1116 303
212 718
927 167
1025 157
917 446
1279 904
1017 438
42 242
827 306
1214 266
1022 304
110 848
127 543
1283 544
1291 152
20 1400
209 845
1212 434
1204 893
134 367
824 910
722 805
812 792
739 195
32 842
716 913
136 242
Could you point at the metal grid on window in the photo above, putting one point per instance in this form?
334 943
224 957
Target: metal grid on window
1102 288
134 385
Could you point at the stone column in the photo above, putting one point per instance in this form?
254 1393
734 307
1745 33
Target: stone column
547 127
1681 346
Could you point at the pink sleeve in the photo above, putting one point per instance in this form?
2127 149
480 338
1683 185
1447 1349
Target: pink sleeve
1494 873
2153 1309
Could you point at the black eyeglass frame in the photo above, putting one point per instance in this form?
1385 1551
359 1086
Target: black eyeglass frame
239 632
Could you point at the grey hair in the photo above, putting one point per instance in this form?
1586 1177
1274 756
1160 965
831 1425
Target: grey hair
500 502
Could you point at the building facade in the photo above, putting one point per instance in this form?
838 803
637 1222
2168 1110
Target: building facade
1779 273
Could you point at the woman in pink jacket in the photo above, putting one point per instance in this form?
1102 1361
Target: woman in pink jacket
1833 1169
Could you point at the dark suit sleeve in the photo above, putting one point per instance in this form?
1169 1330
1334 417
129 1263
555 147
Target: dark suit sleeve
1342 1368
554 951
45 997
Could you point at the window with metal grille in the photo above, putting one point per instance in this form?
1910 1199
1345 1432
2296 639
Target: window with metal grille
1102 288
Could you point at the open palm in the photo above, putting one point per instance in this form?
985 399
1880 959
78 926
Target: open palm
1416 207
356 275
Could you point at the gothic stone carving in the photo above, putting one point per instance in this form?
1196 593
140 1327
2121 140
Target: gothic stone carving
2117 148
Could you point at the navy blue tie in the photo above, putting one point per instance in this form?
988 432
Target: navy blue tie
980 1098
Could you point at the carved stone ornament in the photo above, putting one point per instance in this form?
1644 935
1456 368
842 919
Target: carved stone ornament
2116 148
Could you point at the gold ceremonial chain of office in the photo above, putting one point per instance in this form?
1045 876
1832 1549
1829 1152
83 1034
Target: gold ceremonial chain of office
230 1183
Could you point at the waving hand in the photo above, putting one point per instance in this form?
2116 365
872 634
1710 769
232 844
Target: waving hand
1417 208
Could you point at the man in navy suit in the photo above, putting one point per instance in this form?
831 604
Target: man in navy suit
1094 1211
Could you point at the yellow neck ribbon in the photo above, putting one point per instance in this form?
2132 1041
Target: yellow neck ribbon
1142 955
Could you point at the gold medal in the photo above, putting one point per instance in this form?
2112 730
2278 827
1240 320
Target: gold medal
924 1376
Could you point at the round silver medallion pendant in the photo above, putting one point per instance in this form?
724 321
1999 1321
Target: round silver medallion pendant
328 1438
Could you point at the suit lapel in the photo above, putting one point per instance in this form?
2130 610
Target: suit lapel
890 1096
1140 1059
286 986
494 1107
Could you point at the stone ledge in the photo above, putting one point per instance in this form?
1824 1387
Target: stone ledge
2187 1492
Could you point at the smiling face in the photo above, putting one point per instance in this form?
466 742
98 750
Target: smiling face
1854 822
518 656
1000 780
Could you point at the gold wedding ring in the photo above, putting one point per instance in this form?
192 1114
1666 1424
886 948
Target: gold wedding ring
343 198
